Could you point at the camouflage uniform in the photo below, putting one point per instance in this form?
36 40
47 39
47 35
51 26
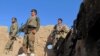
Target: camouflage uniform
12 36
59 34
29 38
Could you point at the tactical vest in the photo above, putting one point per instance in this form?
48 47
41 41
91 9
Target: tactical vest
58 27
33 22
14 27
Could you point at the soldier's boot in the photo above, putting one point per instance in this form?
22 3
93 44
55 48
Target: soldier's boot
23 54
25 49
11 48
6 51
32 54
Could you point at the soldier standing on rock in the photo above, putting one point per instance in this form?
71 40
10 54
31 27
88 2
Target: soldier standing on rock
59 33
32 26
13 32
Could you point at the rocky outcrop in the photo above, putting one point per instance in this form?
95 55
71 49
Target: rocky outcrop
85 37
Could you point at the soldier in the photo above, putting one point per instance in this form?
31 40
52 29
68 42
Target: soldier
59 33
12 34
32 26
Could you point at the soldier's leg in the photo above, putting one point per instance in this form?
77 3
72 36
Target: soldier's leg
25 44
31 42
12 40
60 41
55 44
9 44
55 41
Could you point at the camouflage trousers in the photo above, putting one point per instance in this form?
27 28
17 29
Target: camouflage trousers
9 45
57 38
57 42
28 42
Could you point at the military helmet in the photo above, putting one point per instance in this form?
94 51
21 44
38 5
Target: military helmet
34 10
60 19
14 19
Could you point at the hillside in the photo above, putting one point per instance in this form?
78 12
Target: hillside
40 43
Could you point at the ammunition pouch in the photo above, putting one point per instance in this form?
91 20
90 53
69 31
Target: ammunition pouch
31 27
26 28
59 32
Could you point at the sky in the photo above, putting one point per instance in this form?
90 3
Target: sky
48 11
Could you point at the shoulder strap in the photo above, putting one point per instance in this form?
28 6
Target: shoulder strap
37 19
55 27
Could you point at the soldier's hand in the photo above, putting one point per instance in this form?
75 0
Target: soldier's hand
63 28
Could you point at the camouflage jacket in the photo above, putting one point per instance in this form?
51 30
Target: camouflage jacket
14 29
34 22
59 30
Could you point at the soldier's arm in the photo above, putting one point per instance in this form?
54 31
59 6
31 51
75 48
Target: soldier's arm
55 28
15 29
65 29
53 33
38 24
22 28
27 22
10 30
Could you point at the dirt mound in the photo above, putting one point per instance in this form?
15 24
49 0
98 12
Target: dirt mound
4 37
40 43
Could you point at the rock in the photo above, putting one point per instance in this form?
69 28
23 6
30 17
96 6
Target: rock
85 35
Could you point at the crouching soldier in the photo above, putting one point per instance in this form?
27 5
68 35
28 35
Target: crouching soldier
59 33
31 27
12 35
